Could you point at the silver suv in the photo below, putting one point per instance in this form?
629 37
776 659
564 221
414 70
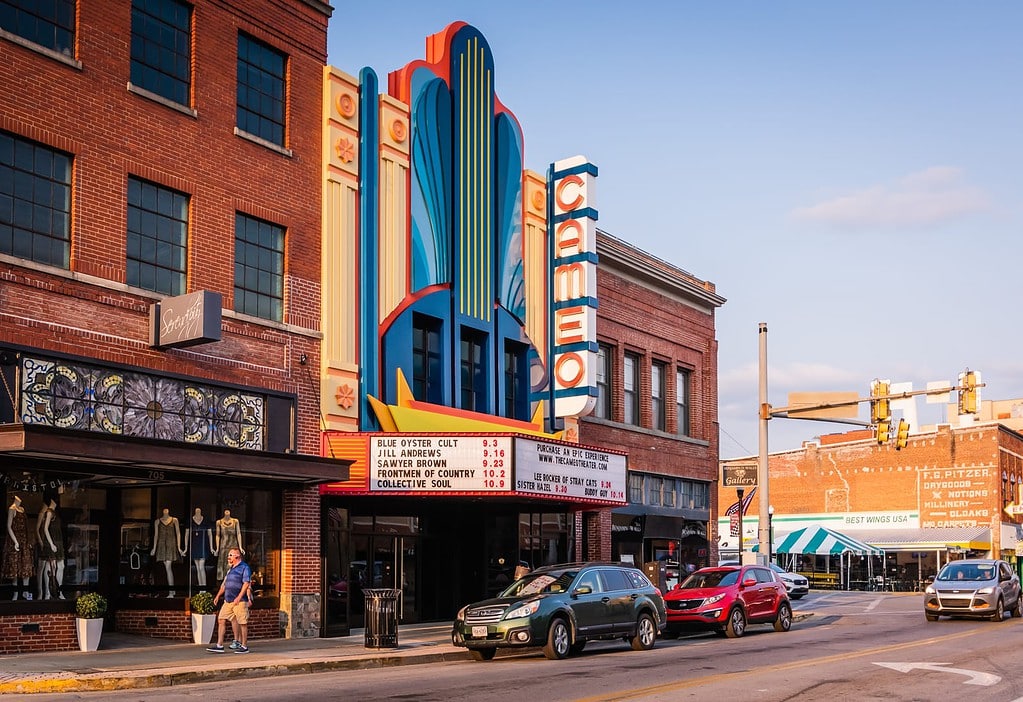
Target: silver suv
975 587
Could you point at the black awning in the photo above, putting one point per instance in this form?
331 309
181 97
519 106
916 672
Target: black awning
44 447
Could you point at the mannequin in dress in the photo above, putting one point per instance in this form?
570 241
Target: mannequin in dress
50 534
200 543
17 562
167 544
229 535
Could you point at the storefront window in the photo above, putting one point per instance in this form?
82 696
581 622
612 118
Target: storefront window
68 535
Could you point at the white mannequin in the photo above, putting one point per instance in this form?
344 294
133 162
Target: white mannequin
167 550
199 538
229 534
51 551
17 556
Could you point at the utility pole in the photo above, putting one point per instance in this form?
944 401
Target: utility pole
764 524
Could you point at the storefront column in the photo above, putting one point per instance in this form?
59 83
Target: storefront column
598 535
301 578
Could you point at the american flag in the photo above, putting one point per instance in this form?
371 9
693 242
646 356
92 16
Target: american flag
746 499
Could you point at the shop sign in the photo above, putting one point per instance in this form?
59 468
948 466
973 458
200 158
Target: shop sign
185 320
566 470
739 475
440 463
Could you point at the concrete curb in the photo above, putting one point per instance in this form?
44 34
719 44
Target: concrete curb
99 682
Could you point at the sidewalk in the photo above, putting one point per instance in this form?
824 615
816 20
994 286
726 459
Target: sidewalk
126 662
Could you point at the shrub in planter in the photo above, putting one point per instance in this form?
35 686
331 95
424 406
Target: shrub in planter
202 603
91 605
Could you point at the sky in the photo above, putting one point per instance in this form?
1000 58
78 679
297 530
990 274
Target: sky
846 172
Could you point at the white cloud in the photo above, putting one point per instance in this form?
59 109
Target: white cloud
933 195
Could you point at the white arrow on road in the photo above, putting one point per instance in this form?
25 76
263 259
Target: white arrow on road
975 676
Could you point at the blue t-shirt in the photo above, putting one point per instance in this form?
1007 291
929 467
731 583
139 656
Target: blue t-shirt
235 578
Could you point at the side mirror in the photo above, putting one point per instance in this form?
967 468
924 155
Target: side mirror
749 581
582 590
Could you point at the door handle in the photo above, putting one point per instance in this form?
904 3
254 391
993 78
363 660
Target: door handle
605 600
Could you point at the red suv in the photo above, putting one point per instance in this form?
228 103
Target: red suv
727 599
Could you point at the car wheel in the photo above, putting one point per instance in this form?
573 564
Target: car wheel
783 622
999 613
483 654
558 640
577 647
1017 611
931 617
736 626
646 634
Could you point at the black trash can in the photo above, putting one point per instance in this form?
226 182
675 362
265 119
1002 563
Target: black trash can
382 617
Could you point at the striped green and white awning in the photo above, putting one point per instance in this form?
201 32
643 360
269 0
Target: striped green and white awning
822 542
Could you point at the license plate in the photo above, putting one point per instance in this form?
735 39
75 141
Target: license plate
479 632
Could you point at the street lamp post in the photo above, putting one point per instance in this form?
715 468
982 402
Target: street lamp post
763 476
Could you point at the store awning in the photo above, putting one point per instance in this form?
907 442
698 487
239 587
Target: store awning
821 541
38 447
921 539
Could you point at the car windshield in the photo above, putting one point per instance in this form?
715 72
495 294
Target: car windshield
710 578
967 571
535 583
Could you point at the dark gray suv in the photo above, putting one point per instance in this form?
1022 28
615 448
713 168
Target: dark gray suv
561 607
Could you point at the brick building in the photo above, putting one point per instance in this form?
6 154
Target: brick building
159 309
942 496
657 381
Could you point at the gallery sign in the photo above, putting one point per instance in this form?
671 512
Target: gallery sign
742 475
185 320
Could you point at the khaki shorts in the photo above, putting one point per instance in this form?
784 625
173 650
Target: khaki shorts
235 611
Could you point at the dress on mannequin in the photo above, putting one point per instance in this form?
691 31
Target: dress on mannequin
200 542
167 544
17 561
50 533
229 535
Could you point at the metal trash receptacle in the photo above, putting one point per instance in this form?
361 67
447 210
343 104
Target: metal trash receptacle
381 617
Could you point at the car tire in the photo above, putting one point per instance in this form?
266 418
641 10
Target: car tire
483 654
559 640
783 622
646 633
1017 611
931 617
999 614
736 625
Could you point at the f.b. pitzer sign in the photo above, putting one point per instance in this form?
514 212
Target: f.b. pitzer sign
739 475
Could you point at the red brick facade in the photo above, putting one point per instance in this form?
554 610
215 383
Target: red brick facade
659 313
83 105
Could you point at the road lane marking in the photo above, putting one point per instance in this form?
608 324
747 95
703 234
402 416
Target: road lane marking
976 677
640 692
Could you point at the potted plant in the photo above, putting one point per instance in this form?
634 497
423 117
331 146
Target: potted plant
90 609
204 617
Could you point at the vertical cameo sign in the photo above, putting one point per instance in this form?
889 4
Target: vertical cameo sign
573 228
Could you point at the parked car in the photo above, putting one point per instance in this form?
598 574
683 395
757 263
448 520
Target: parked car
796 585
727 599
975 587
561 607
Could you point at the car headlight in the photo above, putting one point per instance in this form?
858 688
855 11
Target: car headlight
461 613
715 598
985 591
929 590
523 610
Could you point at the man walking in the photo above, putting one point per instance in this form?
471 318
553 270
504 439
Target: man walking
235 591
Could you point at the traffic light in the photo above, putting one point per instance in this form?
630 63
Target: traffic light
902 435
968 392
884 431
880 406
